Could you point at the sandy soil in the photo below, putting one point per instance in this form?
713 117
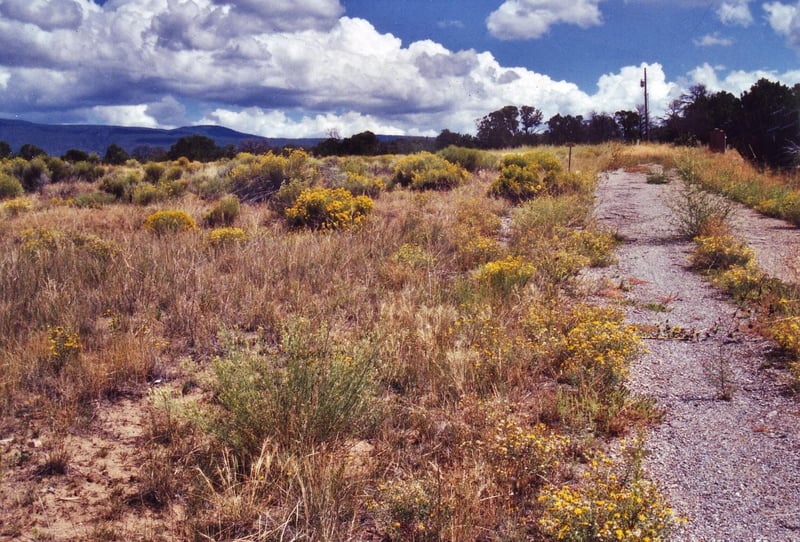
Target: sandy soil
95 498
731 467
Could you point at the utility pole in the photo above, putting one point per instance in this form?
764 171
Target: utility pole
643 84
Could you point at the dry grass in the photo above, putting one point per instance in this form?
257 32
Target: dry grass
446 326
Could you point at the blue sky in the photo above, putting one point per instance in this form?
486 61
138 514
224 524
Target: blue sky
299 69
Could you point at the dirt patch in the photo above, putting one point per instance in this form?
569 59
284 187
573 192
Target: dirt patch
83 485
731 467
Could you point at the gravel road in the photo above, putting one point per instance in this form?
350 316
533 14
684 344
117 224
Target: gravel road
731 467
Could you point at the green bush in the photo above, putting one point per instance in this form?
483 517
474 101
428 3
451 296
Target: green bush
224 212
424 171
211 187
362 185
59 170
35 174
145 194
470 159
153 172
10 187
287 195
120 184
162 222
87 171
93 200
696 211
257 178
525 176
306 394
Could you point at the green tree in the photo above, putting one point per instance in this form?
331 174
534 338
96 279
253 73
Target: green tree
195 147
115 155
498 129
770 124
629 123
29 151
530 118
5 150
601 128
446 138
566 129
75 155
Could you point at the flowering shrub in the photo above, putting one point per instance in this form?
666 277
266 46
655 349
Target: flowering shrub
476 249
720 252
93 246
409 510
786 332
743 282
597 246
256 178
63 345
221 237
38 241
413 255
598 347
162 222
424 170
525 176
518 183
328 209
525 458
505 275
558 266
362 185
612 502
16 206
41 241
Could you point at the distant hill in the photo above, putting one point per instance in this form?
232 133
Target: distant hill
56 139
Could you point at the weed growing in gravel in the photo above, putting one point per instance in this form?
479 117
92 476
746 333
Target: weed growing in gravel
720 251
695 210
612 501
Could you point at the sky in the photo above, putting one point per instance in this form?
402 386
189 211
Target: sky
284 68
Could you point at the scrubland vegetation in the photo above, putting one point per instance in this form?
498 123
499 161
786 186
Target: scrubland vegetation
375 348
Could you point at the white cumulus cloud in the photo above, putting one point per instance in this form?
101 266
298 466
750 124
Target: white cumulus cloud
311 70
785 21
713 40
735 12
737 81
529 19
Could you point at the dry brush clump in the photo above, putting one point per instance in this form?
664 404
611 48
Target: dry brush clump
425 375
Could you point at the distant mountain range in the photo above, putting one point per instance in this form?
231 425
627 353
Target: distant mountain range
56 139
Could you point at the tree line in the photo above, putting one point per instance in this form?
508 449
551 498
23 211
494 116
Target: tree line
763 124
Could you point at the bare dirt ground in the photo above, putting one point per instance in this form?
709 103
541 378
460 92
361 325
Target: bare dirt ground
731 467
95 496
